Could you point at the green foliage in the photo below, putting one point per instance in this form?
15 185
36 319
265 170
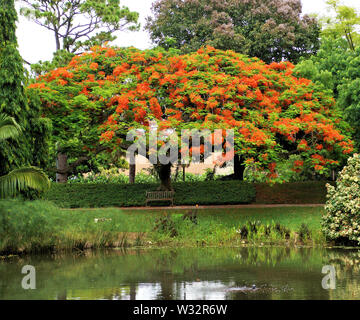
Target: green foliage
336 65
23 178
61 58
8 127
328 66
34 226
190 193
81 24
258 230
127 195
341 222
213 192
344 24
272 30
29 148
349 92
281 230
20 179
165 224
285 171
39 226
113 175
304 232
27 225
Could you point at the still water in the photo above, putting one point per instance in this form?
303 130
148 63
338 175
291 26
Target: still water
206 273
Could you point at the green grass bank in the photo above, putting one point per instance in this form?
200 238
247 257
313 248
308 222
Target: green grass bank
40 226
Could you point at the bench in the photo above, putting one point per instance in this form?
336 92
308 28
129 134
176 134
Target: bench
160 196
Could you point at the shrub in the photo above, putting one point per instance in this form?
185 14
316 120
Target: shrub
113 175
282 231
259 230
341 221
40 226
26 225
304 232
165 224
128 195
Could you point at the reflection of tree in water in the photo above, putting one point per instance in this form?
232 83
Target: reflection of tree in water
62 295
263 256
117 274
347 266
133 291
272 256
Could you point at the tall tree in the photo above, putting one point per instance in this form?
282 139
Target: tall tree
344 23
81 23
336 65
29 148
101 95
272 30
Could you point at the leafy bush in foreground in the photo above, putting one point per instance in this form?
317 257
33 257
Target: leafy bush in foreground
341 222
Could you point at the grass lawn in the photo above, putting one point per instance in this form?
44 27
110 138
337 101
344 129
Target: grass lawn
41 226
214 226
138 220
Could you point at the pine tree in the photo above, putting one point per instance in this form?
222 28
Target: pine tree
29 148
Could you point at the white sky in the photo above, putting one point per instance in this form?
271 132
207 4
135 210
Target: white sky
36 43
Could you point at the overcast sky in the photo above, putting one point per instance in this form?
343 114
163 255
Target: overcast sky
36 43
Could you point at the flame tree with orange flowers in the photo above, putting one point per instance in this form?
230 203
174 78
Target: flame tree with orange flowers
96 99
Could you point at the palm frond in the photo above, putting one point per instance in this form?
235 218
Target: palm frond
19 179
8 127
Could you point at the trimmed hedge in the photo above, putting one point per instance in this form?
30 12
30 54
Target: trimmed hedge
308 192
128 195
217 192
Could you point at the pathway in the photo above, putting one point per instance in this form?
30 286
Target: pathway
235 206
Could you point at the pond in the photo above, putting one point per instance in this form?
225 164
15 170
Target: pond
188 273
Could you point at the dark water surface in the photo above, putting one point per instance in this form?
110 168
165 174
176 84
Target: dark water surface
207 273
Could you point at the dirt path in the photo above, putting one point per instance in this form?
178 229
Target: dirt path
235 206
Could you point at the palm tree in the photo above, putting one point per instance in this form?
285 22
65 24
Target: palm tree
19 179
8 127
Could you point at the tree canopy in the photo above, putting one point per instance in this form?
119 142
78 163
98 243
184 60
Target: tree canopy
80 23
96 99
336 65
272 30
344 24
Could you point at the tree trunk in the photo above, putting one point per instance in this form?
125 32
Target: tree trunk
132 291
164 172
57 40
62 295
184 175
61 165
167 290
239 168
132 173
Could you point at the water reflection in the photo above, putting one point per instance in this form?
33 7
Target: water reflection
207 273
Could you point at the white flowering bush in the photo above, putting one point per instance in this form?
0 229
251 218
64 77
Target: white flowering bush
341 221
